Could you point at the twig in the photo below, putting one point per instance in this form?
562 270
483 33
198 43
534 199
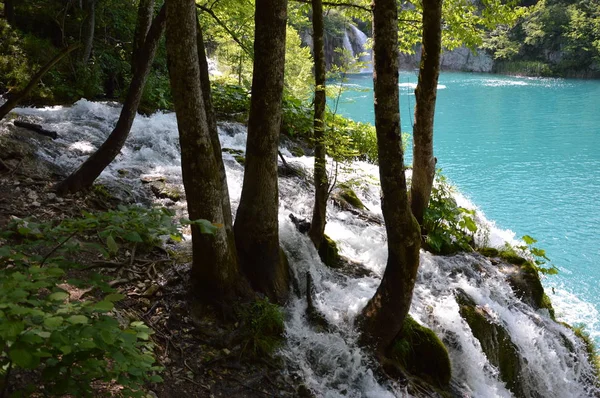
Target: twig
132 255
334 4
103 264
249 387
13 171
57 247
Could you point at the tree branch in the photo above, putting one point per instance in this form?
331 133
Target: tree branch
335 4
222 24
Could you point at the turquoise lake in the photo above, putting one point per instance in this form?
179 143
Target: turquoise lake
526 151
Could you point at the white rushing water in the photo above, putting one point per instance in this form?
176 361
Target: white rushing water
331 363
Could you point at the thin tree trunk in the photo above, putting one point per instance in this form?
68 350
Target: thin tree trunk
9 11
14 99
256 226
425 97
384 315
144 21
317 226
88 30
87 173
211 119
215 274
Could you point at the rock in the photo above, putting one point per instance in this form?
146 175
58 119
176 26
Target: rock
36 204
329 253
525 280
51 196
163 191
346 198
495 342
301 223
123 173
149 179
420 353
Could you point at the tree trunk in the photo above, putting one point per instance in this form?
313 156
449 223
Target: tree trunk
88 30
317 226
425 96
384 315
256 225
87 173
14 99
9 11
215 273
144 20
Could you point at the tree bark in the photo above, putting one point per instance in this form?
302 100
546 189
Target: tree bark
317 226
87 173
425 97
9 11
384 315
14 100
142 26
215 272
88 30
211 118
256 226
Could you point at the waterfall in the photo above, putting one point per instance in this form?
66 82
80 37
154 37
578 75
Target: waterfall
331 363
366 55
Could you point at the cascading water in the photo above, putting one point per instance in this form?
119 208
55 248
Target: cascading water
331 363
360 41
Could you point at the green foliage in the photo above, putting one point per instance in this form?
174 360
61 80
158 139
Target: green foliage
75 342
72 342
539 258
263 328
229 99
590 345
559 37
449 227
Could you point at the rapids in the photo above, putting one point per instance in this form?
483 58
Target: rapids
332 364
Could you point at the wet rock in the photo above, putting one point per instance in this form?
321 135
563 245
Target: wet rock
301 223
345 198
419 353
495 342
329 252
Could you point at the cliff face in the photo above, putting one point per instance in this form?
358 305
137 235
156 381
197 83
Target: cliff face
459 59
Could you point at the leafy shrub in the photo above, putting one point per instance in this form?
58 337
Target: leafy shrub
449 227
263 327
72 343
230 98
537 257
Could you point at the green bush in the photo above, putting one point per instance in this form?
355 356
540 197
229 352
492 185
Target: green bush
263 326
449 227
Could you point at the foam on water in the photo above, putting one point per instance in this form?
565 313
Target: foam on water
333 364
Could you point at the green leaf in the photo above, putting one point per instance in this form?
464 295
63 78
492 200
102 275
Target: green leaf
78 319
114 297
58 296
528 240
111 244
133 237
53 322
103 306
206 227
21 356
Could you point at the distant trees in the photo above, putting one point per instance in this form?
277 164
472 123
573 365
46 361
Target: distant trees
87 173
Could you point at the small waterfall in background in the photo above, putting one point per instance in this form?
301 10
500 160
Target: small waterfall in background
359 39
553 361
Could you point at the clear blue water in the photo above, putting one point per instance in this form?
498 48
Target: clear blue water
526 151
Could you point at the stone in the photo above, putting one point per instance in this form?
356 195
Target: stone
346 198
495 343
420 353
329 252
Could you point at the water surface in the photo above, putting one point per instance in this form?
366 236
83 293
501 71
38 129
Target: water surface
527 152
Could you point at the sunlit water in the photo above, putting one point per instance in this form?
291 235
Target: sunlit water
527 152
332 364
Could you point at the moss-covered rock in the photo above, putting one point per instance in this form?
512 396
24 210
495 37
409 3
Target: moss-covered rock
526 282
488 251
346 198
495 342
329 252
421 354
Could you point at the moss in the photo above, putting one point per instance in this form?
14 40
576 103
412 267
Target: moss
262 328
512 258
495 342
240 159
528 285
163 191
488 251
349 196
297 151
329 252
420 353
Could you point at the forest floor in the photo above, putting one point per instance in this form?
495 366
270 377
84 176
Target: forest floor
201 353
